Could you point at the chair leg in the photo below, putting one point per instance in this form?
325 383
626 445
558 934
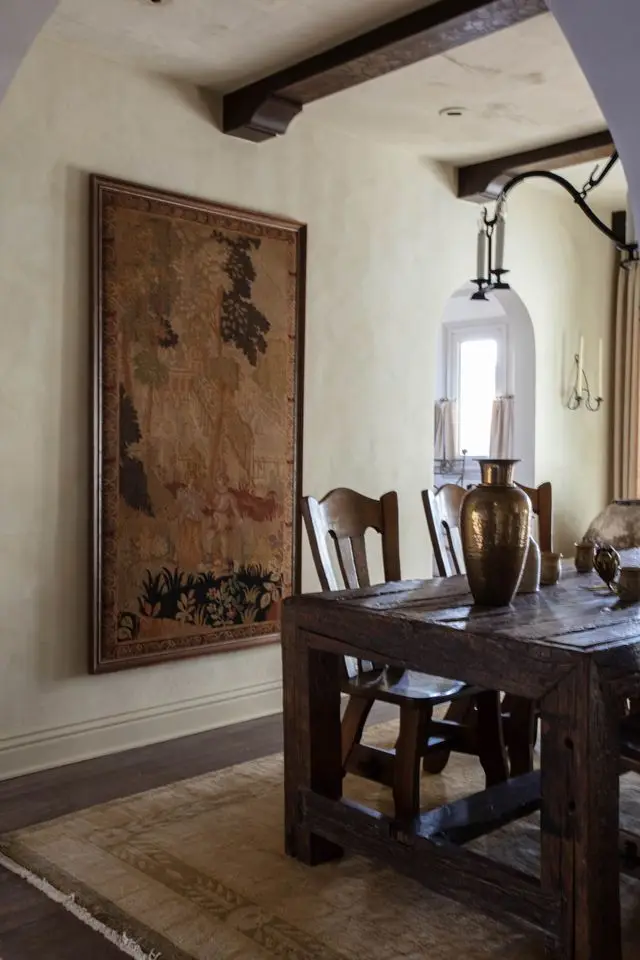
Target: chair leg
520 734
353 721
491 749
414 722
460 711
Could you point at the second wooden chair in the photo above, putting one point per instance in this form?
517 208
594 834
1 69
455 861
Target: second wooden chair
442 509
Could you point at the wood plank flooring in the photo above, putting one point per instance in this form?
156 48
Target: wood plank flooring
54 793
32 927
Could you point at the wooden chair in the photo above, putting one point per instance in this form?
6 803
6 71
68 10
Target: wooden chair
442 510
342 517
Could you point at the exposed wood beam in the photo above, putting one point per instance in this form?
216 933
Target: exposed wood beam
484 181
266 108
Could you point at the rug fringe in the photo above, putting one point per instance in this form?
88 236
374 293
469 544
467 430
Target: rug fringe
120 940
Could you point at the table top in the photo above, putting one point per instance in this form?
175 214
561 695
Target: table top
434 626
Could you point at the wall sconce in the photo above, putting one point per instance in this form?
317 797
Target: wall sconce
581 392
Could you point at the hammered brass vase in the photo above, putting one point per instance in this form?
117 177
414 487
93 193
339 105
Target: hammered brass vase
494 527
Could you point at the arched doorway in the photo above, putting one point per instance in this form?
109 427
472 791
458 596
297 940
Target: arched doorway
486 350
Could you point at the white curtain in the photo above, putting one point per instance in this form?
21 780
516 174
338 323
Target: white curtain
502 429
445 441
626 388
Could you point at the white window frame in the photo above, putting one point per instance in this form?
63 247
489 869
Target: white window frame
458 332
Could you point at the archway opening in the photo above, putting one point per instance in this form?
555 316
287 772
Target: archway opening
485 386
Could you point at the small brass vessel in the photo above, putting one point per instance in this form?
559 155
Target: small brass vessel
551 568
585 554
494 528
628 585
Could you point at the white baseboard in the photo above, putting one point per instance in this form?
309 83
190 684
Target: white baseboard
54 747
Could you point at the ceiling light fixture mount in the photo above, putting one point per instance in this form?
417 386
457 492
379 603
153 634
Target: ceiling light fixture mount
452 111
490 267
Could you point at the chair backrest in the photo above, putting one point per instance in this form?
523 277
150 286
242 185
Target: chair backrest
442 509
344 516
541 504
443 512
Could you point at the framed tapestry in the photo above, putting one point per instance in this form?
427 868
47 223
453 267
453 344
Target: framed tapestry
198 349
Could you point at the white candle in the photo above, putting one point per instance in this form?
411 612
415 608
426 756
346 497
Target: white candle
499 259
580 365
600 388
482 255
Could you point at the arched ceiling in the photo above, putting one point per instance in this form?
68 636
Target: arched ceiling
521 86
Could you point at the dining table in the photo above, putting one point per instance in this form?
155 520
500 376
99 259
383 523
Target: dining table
572 648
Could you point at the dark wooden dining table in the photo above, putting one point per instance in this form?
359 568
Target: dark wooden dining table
573 648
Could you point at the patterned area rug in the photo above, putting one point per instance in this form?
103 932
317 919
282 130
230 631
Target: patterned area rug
196 871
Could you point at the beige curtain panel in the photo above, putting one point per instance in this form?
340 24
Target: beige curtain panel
502 429
626 392
445 439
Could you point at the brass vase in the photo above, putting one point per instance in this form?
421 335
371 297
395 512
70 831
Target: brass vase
494 526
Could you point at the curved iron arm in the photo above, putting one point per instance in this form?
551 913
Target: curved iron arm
578 198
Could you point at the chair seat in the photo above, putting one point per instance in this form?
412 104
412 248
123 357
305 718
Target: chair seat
397 686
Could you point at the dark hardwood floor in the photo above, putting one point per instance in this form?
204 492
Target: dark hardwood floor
32 927
54 793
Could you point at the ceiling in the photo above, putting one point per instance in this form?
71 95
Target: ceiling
221 43
520 88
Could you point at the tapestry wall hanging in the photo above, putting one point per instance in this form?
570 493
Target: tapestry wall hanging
198 327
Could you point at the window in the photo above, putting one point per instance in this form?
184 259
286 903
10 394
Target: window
477 391
475 365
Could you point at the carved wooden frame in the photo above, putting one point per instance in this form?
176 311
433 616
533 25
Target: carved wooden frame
103 652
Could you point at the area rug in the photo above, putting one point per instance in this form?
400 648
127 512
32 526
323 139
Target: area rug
196 871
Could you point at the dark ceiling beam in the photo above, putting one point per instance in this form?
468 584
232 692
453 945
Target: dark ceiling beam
482 182
266 108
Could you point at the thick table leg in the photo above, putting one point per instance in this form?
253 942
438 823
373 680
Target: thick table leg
580 787
312 755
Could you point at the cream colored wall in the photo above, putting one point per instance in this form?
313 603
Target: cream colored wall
564 271
387 243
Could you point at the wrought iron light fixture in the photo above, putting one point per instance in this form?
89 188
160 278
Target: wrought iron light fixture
490 267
